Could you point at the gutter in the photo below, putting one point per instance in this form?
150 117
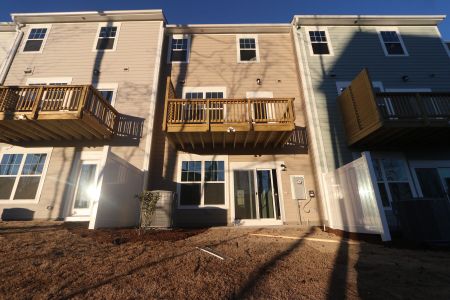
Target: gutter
12 53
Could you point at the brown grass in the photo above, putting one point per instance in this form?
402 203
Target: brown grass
45 260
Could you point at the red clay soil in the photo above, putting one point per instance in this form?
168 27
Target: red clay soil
49 260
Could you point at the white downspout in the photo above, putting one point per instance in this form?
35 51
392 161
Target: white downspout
11 54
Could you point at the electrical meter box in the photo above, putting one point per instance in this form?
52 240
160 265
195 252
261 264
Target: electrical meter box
298 190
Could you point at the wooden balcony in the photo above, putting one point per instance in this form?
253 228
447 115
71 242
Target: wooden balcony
210 123
61 113
393 119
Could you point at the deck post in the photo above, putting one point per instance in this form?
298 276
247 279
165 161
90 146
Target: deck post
37 103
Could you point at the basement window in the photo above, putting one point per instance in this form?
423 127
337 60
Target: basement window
319 42
392 43
179 48
21 175
248 49
107 38
202 183
35 40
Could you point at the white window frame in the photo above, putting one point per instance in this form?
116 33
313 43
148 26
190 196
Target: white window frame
397 156
432 164
238 48
344 84
327 34
116 38
44 41
25 151
386 53
204 90
194 157
108 87
169 48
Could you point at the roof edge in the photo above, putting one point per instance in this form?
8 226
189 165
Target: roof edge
408 20
87 16
230 28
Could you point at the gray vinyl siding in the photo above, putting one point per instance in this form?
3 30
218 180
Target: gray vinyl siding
6 43
358 47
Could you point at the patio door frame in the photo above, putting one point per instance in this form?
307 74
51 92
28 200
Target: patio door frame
254 166
97 157
432 164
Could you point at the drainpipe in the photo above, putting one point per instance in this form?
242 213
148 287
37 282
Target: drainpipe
12 53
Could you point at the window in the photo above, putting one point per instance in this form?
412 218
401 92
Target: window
202 183
36 39
107 36
319 42
20 175
179 48
107 95
392 43
195 110
248 49
392 179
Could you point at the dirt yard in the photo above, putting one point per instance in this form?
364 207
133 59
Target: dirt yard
49 260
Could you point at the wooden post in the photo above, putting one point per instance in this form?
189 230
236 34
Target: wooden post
249 112
423 109
37 103
208 121
82 102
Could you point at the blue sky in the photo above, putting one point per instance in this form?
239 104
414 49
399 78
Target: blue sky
238 11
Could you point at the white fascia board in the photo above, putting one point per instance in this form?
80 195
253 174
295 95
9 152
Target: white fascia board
229 28
370 20
89 16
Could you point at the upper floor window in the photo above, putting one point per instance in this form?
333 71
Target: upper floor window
179 48
248 49
107 95
36 39
392 43
107 38
319 42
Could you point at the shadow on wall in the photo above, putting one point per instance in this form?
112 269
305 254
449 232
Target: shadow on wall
17 214
345 65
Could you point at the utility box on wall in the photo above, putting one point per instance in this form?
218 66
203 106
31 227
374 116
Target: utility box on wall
298 189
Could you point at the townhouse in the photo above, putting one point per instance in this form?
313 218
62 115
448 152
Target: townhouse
76 113
378 86
233 143
334 120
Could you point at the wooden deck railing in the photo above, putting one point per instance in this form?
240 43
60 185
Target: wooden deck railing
217 111
414 106
80 99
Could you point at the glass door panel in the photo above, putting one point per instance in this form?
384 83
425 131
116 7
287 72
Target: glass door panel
265 194
244 195
445 176
86 189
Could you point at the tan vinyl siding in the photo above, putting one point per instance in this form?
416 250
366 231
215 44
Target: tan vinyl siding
68 52
213 62
6 43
